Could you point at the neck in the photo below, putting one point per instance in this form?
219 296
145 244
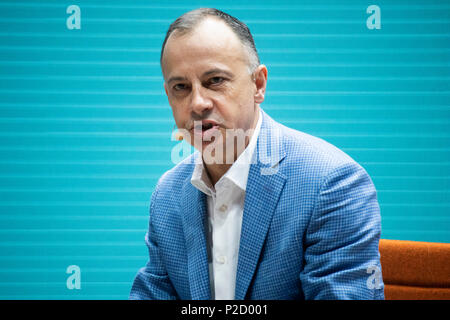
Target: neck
216 171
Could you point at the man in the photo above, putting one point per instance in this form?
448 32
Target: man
284 216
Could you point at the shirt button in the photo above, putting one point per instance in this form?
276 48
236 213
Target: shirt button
223 208
221 259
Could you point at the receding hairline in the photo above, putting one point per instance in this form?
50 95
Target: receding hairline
190 21
190 31
181 30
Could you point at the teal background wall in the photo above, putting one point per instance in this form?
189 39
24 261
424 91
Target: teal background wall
85 126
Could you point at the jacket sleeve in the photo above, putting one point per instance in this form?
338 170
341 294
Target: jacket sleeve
152 281
342 260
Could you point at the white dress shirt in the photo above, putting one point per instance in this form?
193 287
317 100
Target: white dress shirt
225 205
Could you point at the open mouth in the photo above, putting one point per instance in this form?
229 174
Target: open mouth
207 126
206 129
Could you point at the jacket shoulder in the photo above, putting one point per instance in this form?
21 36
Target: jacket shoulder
313 153
171 182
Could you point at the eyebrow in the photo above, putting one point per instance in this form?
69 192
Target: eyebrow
217 70
205 74
176 79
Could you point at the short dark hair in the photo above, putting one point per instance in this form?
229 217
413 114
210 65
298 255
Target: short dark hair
189 20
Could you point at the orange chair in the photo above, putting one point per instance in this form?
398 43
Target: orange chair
415 270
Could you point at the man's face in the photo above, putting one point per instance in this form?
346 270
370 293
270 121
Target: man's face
207 79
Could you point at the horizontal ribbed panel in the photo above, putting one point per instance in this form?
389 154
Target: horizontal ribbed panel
85 125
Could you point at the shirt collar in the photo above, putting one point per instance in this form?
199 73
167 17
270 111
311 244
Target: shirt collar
237 173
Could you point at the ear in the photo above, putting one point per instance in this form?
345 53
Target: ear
260 78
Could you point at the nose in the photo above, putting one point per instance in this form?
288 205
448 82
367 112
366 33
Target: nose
200 103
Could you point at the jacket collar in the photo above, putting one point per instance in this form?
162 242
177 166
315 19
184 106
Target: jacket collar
264 186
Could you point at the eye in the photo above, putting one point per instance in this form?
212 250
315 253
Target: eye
216 80
179 86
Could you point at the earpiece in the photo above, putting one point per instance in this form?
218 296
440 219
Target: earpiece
178 136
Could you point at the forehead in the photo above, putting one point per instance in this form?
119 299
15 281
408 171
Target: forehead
211 44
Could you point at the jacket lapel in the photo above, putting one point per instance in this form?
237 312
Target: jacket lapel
194 217
264 186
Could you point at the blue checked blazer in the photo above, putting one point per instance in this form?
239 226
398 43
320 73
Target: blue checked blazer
310 229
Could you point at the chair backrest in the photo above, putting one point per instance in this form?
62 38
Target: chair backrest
415 270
